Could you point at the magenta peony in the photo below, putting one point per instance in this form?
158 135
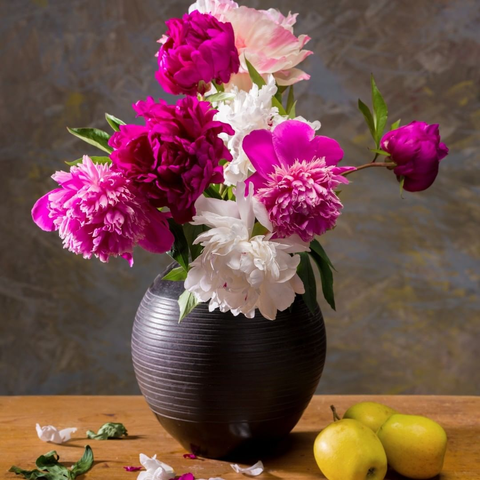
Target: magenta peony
197 49
175 156
98 212
417 151
296 176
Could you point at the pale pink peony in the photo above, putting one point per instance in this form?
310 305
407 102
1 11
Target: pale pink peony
266 39
97 211
296 177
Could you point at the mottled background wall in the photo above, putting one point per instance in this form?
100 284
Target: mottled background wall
408 270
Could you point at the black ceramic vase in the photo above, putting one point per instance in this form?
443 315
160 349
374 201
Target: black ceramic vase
220 384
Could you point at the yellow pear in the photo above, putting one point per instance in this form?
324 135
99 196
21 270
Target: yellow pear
371 414
415 445
348 450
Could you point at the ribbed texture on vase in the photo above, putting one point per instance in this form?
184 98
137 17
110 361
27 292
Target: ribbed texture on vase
219 373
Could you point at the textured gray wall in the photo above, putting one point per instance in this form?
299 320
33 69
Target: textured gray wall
408 270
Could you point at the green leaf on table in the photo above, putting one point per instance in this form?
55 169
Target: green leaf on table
85 463
108 430
380 112
93 136
114 122
94 160
187 302
379 152
49 468
179 250
28 474
325 267
305 272
256 78
176 275
368 117
395 125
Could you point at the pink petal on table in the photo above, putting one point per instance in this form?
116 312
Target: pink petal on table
132 469
192 456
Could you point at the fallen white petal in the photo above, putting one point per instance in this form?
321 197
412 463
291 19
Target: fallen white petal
252 471
156 470
49 433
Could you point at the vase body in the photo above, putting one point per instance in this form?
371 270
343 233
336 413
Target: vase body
220 384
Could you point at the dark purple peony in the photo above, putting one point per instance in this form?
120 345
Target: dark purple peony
175 156
197 49
417 151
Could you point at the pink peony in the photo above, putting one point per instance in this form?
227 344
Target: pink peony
175 156
417 151
196 49
266 40
97 211
296 176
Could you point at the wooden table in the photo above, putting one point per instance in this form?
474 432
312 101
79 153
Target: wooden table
19 444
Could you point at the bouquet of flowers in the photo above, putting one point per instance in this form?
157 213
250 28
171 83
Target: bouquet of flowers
229 180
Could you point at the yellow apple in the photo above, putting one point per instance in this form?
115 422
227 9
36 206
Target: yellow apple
348 450
371 414
415 445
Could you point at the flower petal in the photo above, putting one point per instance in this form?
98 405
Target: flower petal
291 141
258 145
252 471
41 212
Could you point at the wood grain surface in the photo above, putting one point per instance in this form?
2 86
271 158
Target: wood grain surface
19 444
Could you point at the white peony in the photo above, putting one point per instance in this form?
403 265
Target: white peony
246 112
239 272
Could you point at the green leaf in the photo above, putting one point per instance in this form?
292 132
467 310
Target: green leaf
93 136
257 79
259 229
85 463
290 102
187 302
176 275
319 250
94 160
179 250
305 272
108 430
114 122
281 88
50 469
380 112
212 192
395 125
220 97
191 233
29 474
326 275
379 152
276 103
219 86
368 117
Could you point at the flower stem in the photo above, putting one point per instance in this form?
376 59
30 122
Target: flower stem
372 164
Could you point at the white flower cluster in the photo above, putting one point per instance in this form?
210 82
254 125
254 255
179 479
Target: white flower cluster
246 112
237 270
